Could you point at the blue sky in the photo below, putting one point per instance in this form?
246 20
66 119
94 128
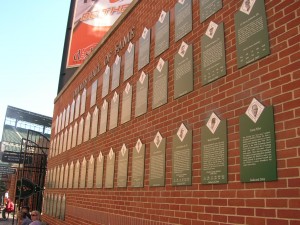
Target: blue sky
31 39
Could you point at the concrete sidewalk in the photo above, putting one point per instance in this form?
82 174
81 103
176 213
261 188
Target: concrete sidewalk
9 221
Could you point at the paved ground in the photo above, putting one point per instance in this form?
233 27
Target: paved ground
9 221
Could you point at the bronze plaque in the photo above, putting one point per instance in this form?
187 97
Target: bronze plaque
114 111
110 169
126 104
138 165
183 74
160 84
99 171
183 18
141 100
157 161
182 153
144 49
116 73
129 61
162 33
122 167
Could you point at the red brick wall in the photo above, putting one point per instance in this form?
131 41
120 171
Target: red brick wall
273 80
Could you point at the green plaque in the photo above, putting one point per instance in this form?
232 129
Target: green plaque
182 152
251 31
71 175
63 208
126 104
103 118
214 151
183 18
144 49
105 83
257 144
82 174
99 170
213 63
122 167
162 33
183 74
76 175
208 8
114 111
110 169
138 165
90 172
157 161
141 100
66 176
129 61
160 84
54 205
58 206
116 73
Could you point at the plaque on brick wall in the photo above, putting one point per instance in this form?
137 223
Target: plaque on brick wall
57 177
87 125
213 64
94 127
90 172
82 173
257 144
74 135
103 118
126 104
160 84
214 151
66 176
99 170
141 99
71 175
58 206
157 161
54 205
80 131
105 83
93 94
138 165
76 174
116 73
208 8
110 169
182 151
114 111
144 49
129 61
51 205
63 207
183 71
61 180
183 18
122 167
251 31
162 33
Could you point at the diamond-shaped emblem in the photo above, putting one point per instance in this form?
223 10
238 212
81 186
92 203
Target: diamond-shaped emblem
181 1
211 30
127 89
115 97
129 47
100 157
182 131
111 153
157 139
162 16
254 110
123 150
142 77
138 146
160 64
144 35
213 123
104 105
117 60
183 48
